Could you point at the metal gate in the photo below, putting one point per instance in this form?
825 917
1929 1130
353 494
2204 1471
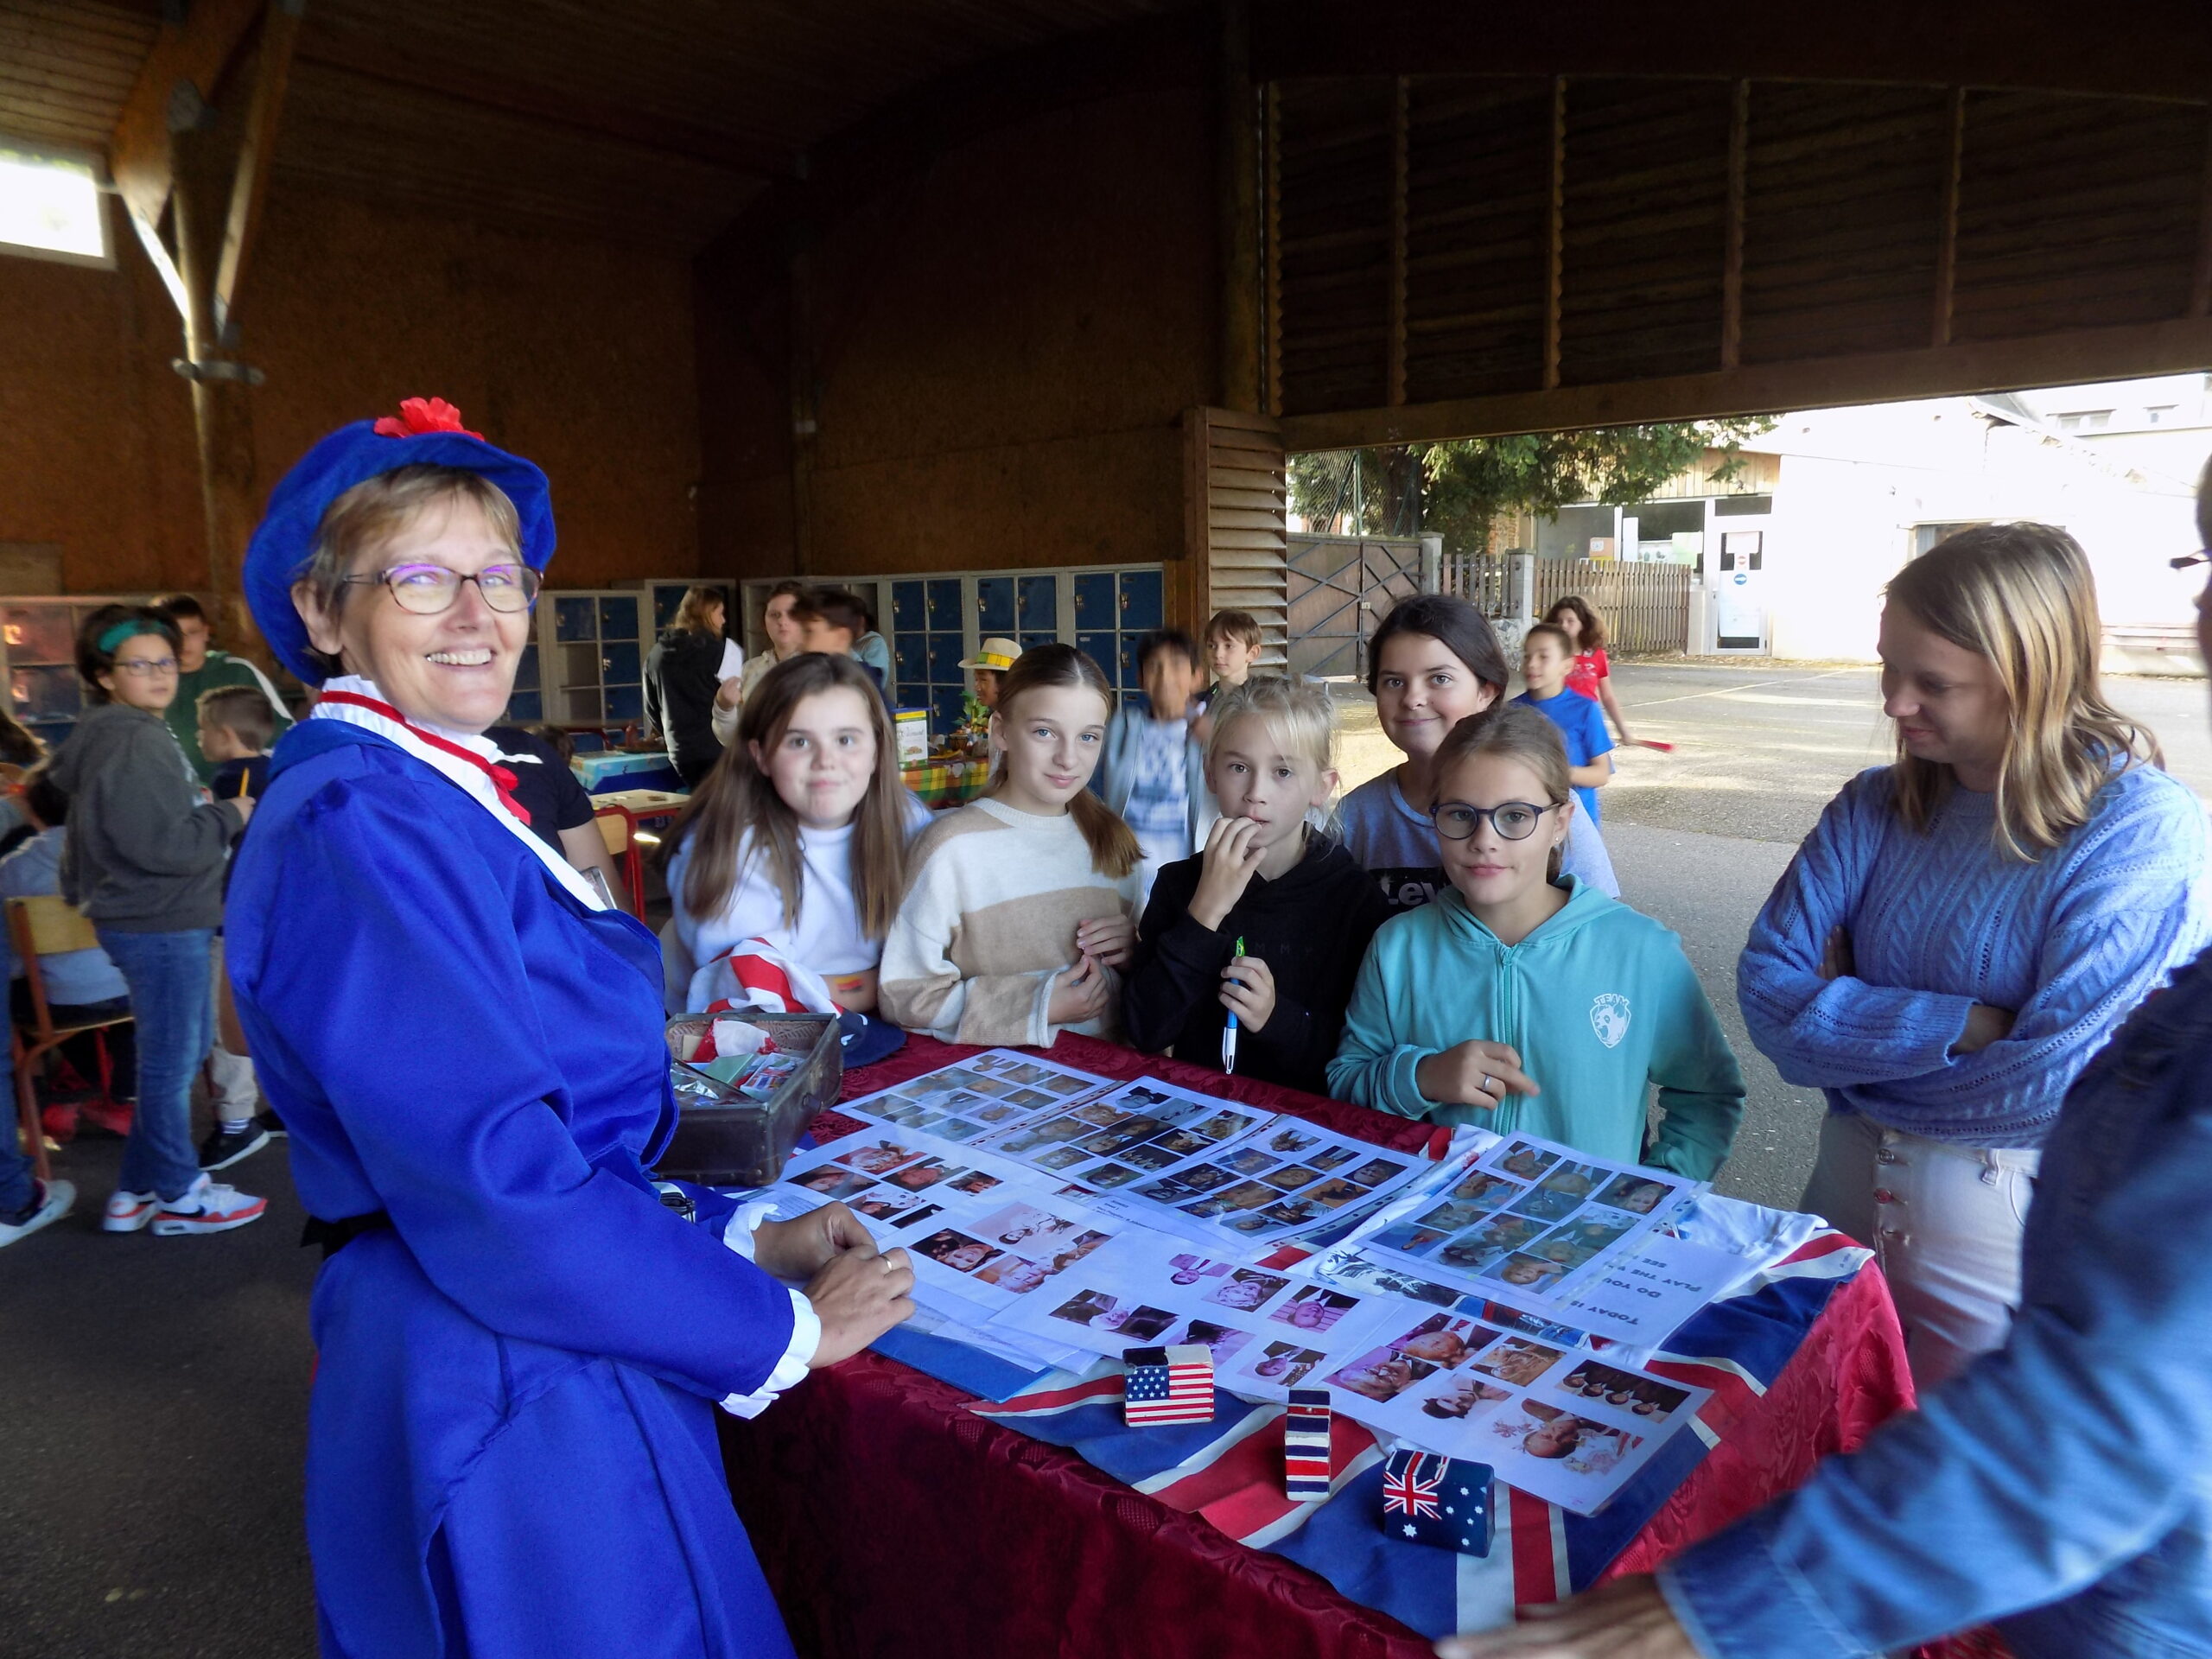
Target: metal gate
1341 587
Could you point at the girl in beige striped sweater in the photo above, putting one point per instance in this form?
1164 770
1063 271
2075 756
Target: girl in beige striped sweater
1020 907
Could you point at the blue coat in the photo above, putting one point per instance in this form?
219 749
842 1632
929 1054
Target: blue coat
511 1446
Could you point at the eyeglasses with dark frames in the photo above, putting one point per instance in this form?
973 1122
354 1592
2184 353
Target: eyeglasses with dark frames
1514 820
427 589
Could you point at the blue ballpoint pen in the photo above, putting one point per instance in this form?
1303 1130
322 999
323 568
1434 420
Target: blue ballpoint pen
1229 1033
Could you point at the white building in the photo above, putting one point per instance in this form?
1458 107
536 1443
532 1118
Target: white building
1795 550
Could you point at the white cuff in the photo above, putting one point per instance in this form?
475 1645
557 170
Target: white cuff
806 1324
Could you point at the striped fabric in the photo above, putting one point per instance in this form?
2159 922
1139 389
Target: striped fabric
1230 1469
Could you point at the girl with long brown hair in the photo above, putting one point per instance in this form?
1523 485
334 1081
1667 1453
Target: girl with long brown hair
1964 928
798 836
1017 920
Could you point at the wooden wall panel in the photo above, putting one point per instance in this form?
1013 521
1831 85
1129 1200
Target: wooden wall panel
1235 536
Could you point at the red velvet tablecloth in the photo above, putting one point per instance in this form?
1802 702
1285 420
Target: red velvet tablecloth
892 1519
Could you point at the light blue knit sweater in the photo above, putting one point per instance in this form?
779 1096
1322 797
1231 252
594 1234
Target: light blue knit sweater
1942 921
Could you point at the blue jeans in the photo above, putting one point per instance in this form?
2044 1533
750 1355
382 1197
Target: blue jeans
173 1004
14 1174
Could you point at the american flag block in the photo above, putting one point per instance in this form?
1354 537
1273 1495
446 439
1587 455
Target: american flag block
1168 1385
1306 1445
1428 1498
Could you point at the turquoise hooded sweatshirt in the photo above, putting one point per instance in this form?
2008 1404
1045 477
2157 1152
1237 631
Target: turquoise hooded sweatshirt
1598 1001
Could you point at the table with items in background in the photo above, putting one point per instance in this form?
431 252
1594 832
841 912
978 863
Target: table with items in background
605 771
890 1516
945 784
629 808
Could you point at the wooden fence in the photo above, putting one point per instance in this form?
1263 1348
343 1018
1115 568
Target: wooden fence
1646 606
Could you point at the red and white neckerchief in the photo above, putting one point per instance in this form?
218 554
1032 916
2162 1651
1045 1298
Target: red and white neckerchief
472 762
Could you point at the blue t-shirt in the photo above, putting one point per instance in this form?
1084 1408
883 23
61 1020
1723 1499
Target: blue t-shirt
1582 723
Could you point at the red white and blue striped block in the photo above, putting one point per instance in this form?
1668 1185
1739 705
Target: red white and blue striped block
1306 1426
1168 1385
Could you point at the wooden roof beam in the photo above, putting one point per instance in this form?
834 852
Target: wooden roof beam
350 52
2073 358
178 79
2163 51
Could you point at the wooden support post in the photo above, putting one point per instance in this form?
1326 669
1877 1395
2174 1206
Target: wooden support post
805 399
1237 206
222 417
280 34
1272 136
1946 250
1400 169
1732 257
1555 236
2200 285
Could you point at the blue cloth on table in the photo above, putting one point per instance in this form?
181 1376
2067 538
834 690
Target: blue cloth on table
512 1448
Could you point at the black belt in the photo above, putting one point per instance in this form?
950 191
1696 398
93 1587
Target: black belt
335 1235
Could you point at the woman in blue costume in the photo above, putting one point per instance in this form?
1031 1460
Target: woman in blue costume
512 1448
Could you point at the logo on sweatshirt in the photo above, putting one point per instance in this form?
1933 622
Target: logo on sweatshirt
1609 1018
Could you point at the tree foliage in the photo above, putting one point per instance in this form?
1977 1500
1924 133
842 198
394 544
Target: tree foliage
1459 489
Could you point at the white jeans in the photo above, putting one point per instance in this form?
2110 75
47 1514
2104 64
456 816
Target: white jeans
1944 1221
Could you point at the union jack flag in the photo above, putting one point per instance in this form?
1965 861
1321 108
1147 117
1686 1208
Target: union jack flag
1229 1468
1406 1492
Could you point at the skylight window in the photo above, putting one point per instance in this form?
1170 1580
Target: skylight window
50 206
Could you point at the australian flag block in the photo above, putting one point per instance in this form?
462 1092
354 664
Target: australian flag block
1428 1498
1306 1445
1168 1385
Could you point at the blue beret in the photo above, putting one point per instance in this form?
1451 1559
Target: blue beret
426 433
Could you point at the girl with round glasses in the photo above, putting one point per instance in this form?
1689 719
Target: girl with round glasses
1564 1006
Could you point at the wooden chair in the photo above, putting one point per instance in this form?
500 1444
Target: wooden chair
46 925
615 827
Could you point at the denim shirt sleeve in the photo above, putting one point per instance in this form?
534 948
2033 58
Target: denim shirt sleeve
1830 1034
2039 1471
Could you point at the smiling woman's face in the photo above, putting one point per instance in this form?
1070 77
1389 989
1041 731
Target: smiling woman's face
454 670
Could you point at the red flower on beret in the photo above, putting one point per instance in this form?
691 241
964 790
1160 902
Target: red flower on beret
420 416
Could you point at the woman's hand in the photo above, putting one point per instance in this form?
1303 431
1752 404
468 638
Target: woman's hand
1079 994
1248 990
1108 940
1837 960
1985 1026
1625 1620
796 1250
729 694
245 806
1232 854
1473 1074
858 1297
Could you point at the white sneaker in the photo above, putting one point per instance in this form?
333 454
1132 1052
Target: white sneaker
207 1207
128 1212
54 1202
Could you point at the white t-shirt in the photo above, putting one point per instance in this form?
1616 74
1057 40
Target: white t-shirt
827 937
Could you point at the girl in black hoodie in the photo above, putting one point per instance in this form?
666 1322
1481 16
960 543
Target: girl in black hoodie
1302 908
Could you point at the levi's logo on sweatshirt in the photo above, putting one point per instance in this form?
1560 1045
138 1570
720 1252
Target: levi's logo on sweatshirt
1609 1017
1409 886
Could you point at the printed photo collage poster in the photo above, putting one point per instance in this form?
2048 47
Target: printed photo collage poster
1569 1427
1536 1227
1211 1170
982 1230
